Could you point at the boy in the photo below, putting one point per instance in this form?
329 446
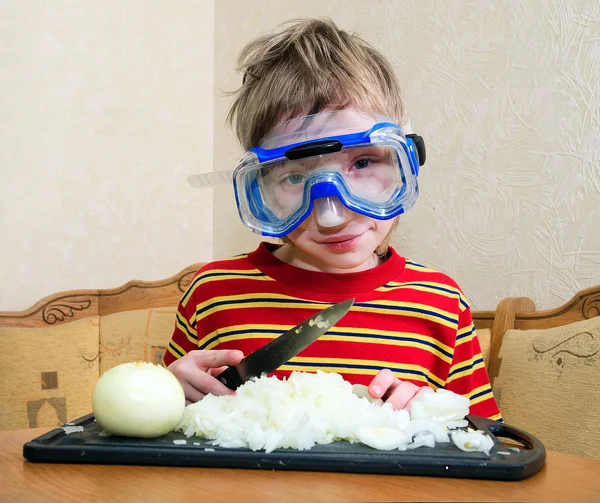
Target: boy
329 172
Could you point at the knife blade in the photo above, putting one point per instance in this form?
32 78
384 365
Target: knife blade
280 350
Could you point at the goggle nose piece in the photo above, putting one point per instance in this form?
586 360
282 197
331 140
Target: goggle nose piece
329 211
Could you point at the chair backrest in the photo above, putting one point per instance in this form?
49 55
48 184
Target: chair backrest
55 351
547 374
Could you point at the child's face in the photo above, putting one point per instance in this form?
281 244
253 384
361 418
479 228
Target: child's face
347 244
348 247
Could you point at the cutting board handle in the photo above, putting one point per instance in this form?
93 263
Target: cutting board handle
504 430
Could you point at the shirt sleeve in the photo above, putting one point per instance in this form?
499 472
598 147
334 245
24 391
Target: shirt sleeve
468 375
184 338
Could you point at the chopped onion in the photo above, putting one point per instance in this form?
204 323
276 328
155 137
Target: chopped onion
441 406
362 391
267 413
304 410
427 425
383 438
70 428
451 425
471 441
422 440
138 400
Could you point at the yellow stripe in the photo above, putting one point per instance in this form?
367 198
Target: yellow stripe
464 330
362 335
423 286
345 363
183 324
484 387
467 371
416 267
395 303
414 314
466 339
462 364
241 301
232 302
371 331
235 257
429 286
226 274
388 342
354 371
228 338
482 398
495 417
481 388
177 347
350 363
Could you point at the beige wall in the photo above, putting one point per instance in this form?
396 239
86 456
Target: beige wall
506 95
106 108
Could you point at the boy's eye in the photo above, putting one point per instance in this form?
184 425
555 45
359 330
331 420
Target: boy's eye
294 178
362 163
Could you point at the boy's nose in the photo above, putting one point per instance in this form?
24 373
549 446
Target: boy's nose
330 212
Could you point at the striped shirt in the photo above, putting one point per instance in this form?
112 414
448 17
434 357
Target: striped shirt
407 318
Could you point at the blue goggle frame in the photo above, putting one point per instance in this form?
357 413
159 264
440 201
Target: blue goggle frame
413 147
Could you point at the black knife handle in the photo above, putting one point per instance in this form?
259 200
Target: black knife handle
230 378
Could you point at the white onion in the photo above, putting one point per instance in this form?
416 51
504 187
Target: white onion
427 425
138 400
441 406
382 438
471 440
362 391
306 409
423 440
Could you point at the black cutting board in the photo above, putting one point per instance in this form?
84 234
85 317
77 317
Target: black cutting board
444 460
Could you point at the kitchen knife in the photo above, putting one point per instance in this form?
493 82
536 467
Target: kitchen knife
279 351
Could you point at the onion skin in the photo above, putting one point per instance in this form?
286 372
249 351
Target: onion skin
139 400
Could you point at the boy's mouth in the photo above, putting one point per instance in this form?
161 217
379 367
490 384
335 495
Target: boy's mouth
342 243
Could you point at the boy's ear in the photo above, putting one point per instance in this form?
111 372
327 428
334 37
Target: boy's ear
419 146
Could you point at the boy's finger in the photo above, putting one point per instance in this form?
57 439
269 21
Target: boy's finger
381 383
402 394
208 384
422 391
217 358
192 395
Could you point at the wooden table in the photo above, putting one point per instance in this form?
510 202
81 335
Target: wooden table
565 478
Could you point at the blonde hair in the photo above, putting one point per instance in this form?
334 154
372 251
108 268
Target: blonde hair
307 67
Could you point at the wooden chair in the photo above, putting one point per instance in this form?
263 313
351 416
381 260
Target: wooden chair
545 370
54 352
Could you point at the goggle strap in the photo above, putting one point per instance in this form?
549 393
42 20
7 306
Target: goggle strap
319 147
419 146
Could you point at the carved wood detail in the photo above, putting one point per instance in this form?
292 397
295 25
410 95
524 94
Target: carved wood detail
60 309
591 307
584 305
64 307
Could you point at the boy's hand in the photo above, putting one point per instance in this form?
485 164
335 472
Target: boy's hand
390 389
195 372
